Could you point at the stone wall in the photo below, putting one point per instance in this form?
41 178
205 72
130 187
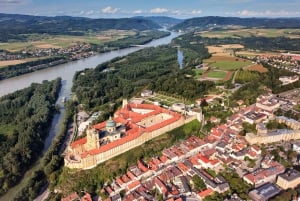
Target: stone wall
266 139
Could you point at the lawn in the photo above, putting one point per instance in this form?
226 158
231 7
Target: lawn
217 74
230 65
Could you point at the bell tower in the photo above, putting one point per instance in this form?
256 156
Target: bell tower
92 139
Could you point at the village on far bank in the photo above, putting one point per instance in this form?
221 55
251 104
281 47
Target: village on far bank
253 147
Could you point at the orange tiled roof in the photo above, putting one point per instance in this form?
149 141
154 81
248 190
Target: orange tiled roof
163 158
129 118
78 142
133 185
205 193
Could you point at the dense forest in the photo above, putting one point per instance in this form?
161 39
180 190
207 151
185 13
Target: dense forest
15 27
204 23
25 117
193 48
151 68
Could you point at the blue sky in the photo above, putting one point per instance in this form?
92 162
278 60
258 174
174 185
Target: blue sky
174 8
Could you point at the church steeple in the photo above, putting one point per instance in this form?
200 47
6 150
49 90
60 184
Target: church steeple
92 139
110 125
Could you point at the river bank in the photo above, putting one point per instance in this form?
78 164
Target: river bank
55 57
66 71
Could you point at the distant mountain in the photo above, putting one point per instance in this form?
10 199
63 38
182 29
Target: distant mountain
11 25
205 23
162 20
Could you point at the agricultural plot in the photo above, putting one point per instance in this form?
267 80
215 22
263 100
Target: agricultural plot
226 62
14 62
217 74
63 41
257 67
239 33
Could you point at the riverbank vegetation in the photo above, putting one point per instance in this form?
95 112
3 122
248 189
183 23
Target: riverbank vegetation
49 167
25 118
151 68
96 45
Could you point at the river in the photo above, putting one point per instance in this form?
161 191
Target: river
66 72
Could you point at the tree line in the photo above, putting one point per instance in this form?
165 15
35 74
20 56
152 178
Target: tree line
25 117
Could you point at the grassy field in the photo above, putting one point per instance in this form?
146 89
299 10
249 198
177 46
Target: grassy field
257 67
14 62
62 41
217 74
223 50
226 62
238 33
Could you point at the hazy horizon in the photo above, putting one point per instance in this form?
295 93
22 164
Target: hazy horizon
171 8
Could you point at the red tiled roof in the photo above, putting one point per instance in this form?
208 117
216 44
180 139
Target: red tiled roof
142 166
129 118
119 181
183 167
125 179
78 142
133 185
205 193
203 158
130 175
163 158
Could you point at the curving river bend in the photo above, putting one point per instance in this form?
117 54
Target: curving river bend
66 72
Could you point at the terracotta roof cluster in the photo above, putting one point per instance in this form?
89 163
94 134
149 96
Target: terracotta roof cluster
261 176
128 117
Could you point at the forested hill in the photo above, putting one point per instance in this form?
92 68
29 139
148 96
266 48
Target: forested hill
217 22
163 21
12 24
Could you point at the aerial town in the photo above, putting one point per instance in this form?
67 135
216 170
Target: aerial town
151 101
175 172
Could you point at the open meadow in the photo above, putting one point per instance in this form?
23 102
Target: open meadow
63 41
15 62
239 33
227 62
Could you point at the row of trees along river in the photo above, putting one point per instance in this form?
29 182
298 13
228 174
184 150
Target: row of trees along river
15 161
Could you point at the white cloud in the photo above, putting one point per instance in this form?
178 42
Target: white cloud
176 12
159 10
110 10
137 12
268 13
90 12
10 1
196 12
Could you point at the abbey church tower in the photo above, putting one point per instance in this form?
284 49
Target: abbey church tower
92 139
